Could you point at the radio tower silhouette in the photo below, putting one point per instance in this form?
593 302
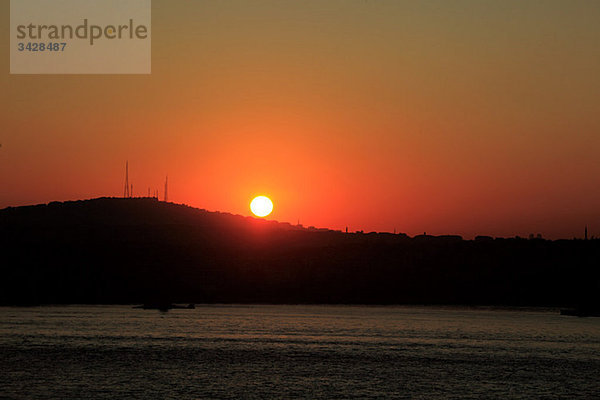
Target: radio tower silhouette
126 192
167 188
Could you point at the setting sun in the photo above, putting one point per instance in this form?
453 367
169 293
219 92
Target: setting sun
261 206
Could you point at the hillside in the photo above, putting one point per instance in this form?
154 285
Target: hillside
113 250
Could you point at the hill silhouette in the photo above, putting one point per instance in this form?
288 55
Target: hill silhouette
124 251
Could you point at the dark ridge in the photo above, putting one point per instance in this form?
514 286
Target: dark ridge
125 251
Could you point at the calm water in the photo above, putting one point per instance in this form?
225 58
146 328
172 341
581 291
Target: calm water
296 352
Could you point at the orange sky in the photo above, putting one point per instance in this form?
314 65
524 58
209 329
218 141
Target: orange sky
462 117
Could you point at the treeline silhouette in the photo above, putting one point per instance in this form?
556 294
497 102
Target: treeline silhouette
124 251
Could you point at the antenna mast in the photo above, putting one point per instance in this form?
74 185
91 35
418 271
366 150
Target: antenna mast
126 192
167 188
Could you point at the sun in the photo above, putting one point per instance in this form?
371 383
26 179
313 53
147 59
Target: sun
261 206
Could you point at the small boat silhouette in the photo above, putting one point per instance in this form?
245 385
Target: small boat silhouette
164 307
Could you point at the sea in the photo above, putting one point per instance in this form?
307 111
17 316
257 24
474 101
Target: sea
297 352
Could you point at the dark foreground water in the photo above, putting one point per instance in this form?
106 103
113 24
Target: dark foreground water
296 352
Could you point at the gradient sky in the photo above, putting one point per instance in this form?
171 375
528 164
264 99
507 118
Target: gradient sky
450 117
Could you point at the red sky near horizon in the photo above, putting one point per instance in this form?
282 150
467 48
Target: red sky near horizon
465 117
